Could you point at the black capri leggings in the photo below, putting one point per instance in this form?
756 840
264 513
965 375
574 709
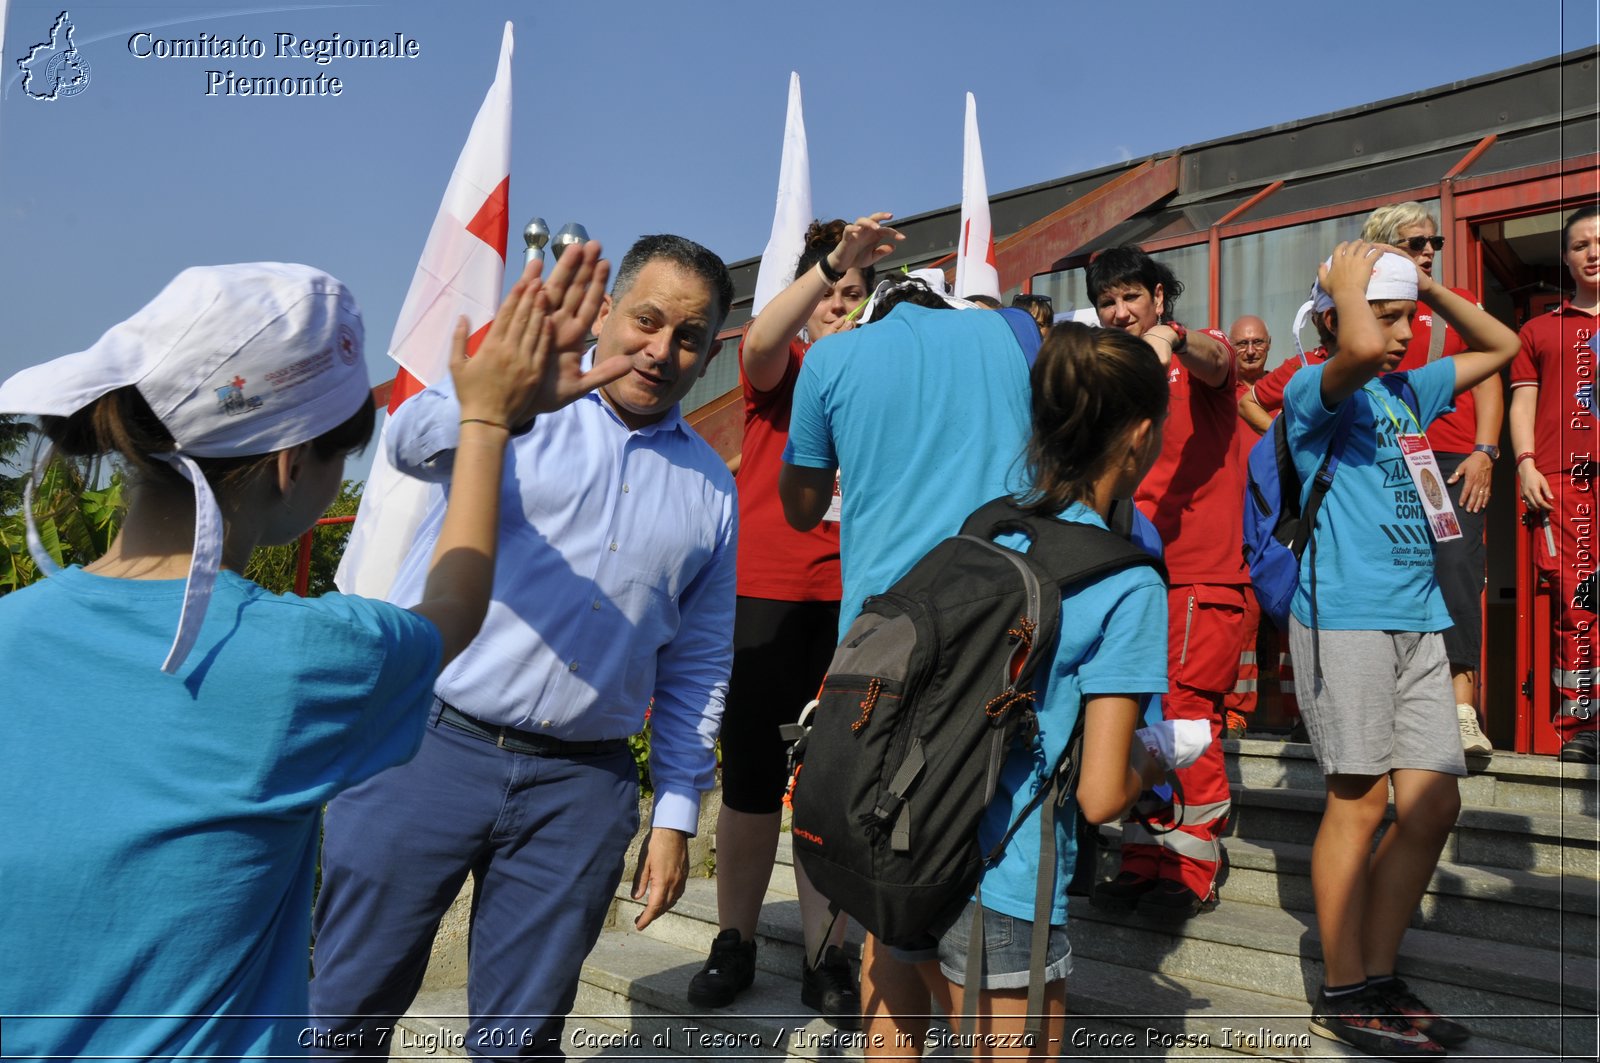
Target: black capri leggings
780 652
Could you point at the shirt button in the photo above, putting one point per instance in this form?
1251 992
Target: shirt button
573 667
613 548
547 723
624 488
596 603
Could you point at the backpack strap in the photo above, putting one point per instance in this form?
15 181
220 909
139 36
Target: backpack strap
1066 551
1320 485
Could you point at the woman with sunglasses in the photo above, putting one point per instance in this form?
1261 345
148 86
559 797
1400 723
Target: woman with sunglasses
785 626
1466 442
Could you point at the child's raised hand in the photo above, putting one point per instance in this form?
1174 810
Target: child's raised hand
529 361
500 381
1350 269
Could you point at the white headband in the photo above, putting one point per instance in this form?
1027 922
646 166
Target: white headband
234 361
1393 277
933 278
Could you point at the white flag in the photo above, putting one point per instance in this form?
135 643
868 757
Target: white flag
975 266
462 271
792 215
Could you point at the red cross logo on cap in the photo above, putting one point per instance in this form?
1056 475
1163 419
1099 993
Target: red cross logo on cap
238 382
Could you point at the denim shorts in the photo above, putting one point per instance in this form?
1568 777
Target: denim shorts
1007 951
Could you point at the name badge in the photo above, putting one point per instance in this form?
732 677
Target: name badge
835 506
1424 469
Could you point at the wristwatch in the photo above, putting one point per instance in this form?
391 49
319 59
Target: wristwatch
1489 449
1182 342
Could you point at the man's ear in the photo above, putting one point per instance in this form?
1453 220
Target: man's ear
600 318
711 352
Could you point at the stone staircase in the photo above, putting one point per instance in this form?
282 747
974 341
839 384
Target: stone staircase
1506 939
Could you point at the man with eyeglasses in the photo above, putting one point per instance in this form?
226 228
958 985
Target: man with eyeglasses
1466 443
1252 342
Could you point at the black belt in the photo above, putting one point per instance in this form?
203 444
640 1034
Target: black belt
537 745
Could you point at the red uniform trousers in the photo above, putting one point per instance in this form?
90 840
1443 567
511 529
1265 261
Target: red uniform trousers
1242 698
1205 628
1572 643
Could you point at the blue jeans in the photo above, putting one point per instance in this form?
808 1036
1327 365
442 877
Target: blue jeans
543 838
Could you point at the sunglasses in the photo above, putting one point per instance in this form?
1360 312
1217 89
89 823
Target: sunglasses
1415 244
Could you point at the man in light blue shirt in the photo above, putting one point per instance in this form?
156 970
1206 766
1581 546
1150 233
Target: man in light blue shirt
614 595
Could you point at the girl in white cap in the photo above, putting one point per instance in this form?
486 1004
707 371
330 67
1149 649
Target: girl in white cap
1371 672
172 729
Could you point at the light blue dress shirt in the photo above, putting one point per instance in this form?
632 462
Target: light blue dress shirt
614 584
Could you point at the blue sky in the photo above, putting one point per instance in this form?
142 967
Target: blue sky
637 117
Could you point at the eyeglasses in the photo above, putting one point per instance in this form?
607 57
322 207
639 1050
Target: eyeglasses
1415 244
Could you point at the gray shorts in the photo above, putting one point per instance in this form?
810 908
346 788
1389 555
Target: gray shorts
1007 950
1384 701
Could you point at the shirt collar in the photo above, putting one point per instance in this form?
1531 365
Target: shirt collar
673 421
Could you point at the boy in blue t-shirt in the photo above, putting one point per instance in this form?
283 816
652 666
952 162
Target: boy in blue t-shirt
1377 699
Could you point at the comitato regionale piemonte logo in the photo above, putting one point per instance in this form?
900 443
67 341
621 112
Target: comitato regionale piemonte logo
55 69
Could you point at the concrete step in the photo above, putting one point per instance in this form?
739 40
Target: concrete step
1248 947
1533 997
1504 780
639 981
1530 908
1561 843
436 1028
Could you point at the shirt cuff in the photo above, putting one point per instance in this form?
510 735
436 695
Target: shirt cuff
677 809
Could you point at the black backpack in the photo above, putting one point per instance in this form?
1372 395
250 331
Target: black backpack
930 686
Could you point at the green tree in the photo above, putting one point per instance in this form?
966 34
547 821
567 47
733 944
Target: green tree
76 522
274 566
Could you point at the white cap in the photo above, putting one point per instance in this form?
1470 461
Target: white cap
933 278
1393 277
234 361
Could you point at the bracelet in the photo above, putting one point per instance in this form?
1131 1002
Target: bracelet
828 273
484 420
1524 456
1181 342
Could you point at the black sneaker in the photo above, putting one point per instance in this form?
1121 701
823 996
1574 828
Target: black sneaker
831 990
1122 893
729 972
1175 902
1582 748
1402 1001
1367 1021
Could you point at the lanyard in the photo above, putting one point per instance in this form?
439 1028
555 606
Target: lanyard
1378 394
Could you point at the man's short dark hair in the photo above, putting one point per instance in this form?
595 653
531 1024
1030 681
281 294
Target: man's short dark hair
1128 264
988 302
686 255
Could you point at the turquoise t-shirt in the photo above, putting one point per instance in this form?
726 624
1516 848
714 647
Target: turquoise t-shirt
161 831
1111 640
925 414
1374 551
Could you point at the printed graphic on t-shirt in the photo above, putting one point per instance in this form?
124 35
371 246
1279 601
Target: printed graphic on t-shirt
1410 541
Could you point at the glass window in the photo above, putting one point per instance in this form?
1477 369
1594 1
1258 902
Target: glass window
1269 274
722 376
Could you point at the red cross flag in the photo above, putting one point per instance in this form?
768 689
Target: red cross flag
976 273
462 271
792 215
